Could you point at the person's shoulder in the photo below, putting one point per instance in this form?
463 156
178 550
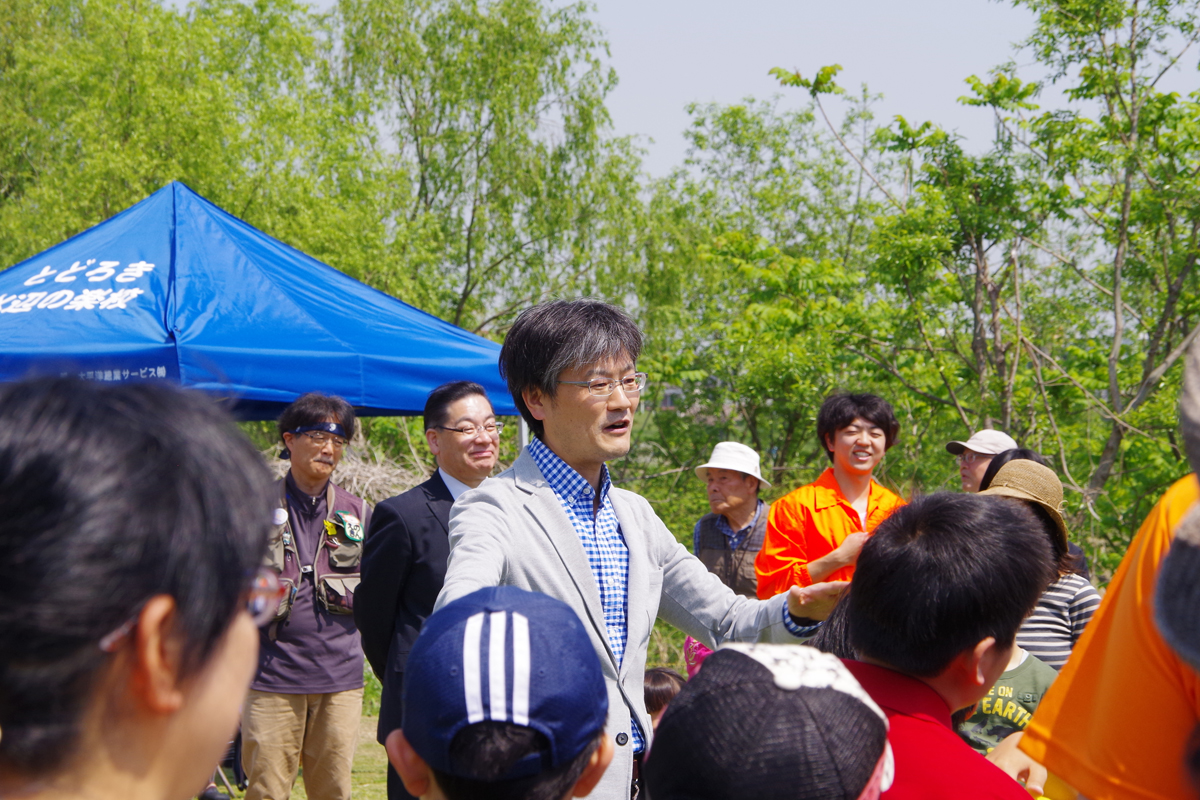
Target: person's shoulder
1075 586
344 496
1185 492
502 489
802 495
418 494
1173 506
940 764
889 498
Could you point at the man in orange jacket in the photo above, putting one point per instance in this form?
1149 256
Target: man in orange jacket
815 533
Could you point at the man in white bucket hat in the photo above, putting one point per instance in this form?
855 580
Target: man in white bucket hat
728 539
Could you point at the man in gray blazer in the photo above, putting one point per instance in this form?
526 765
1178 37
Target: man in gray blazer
554 523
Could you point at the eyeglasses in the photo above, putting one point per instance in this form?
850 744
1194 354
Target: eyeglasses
321 437
966 459
630 384
471 431
262 603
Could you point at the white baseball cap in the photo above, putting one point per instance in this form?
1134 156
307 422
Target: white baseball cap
735 456
986 441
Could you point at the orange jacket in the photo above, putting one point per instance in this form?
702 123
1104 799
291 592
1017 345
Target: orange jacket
808 523
1116 721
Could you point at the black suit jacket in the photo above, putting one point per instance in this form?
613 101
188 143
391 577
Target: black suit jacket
403 567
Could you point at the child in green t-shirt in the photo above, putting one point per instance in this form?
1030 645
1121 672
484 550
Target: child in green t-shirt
1010 703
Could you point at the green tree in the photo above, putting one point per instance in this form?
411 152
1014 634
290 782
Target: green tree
751 260
107 101
493 115
1048 285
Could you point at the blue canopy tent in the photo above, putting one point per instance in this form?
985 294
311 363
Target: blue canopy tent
176 289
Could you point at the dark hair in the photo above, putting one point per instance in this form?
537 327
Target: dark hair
943 573
441 398
1005 456
489 749
552 338
833 636
840 410
661 686
111 495
314 407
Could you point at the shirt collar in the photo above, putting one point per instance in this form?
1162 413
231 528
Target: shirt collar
724 523
830 494
455 486
561 476
308 503
901 693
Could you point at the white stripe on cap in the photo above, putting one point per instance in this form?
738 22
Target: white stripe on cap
520 701
496 684
472 675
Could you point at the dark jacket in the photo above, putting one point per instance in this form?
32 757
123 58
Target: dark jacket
403 567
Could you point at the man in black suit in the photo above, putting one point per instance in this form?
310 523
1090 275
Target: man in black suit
405 552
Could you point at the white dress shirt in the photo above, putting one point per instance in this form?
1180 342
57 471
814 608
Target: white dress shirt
455 486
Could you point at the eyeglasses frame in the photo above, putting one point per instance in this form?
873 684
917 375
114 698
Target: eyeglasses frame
591 385
475 430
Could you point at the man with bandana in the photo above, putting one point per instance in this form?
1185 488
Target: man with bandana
305 702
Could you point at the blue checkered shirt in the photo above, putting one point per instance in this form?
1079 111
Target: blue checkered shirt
600 534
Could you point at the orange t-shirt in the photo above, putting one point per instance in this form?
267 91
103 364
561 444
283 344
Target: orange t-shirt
1116 720
808 523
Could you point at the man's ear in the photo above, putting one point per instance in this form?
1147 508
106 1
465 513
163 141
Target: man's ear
602 756
158 656
535 401
980 661
414 773
431 438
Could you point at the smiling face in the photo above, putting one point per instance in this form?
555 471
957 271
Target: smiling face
858 447
730 491
470 459
312 462
582 429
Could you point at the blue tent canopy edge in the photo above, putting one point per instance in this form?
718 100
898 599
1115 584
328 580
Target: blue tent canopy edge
175 288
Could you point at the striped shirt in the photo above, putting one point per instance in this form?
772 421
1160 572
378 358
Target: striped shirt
600 533
1058 621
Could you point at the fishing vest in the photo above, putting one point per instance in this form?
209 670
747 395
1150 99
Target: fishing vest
335 569
735 568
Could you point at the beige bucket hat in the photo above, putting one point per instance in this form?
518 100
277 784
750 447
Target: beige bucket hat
1029 480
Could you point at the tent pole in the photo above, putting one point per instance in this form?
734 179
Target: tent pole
522 433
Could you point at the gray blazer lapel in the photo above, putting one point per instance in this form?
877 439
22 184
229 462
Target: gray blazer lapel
545 512
641 608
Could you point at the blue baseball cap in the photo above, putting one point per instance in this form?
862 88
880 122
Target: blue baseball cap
508 655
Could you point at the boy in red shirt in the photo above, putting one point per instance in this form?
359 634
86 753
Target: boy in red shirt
940 591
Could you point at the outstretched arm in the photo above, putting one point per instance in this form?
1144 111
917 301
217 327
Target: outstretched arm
477 550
